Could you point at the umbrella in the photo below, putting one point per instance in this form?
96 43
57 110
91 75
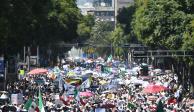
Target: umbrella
86 94
38 71
154 89
4 96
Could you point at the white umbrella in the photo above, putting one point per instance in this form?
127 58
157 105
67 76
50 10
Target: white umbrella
4 96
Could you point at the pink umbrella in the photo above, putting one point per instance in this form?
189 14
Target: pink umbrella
86 94
38 71
154 89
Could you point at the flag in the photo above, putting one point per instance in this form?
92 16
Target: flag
86 83
28 104
74 82
40 102
33 107
76 94
109 59
160 107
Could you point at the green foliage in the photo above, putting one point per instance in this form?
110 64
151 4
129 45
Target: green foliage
160 24
123 33
186 6
37 22
118 39
85 27
101 32
188 41
125 17
101 36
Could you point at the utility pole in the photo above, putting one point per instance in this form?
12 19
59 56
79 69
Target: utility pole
5 76
24 54
37 55
28 59
115 11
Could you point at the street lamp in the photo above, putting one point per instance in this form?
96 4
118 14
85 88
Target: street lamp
126 46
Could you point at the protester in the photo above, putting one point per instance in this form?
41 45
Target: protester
93 90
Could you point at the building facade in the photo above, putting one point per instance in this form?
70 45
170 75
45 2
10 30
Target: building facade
104 10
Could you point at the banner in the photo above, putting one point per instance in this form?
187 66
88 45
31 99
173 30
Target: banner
17 98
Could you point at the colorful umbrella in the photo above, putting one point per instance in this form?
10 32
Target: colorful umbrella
38 71
154 89
86 94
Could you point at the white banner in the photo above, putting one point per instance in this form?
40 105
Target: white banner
17 98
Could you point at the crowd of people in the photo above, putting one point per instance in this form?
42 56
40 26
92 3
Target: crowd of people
78 88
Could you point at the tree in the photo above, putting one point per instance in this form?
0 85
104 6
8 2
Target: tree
37 22
101 33
85 27
118 40
167 24
123 34
125 17
101 36
160 24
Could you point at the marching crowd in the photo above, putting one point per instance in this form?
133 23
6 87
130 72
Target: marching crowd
112 92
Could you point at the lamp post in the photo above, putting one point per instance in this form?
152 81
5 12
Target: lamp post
115 12
126 53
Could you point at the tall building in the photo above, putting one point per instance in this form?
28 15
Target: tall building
103 10
123 3
85 6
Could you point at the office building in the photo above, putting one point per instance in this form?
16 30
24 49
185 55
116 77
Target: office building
103 10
